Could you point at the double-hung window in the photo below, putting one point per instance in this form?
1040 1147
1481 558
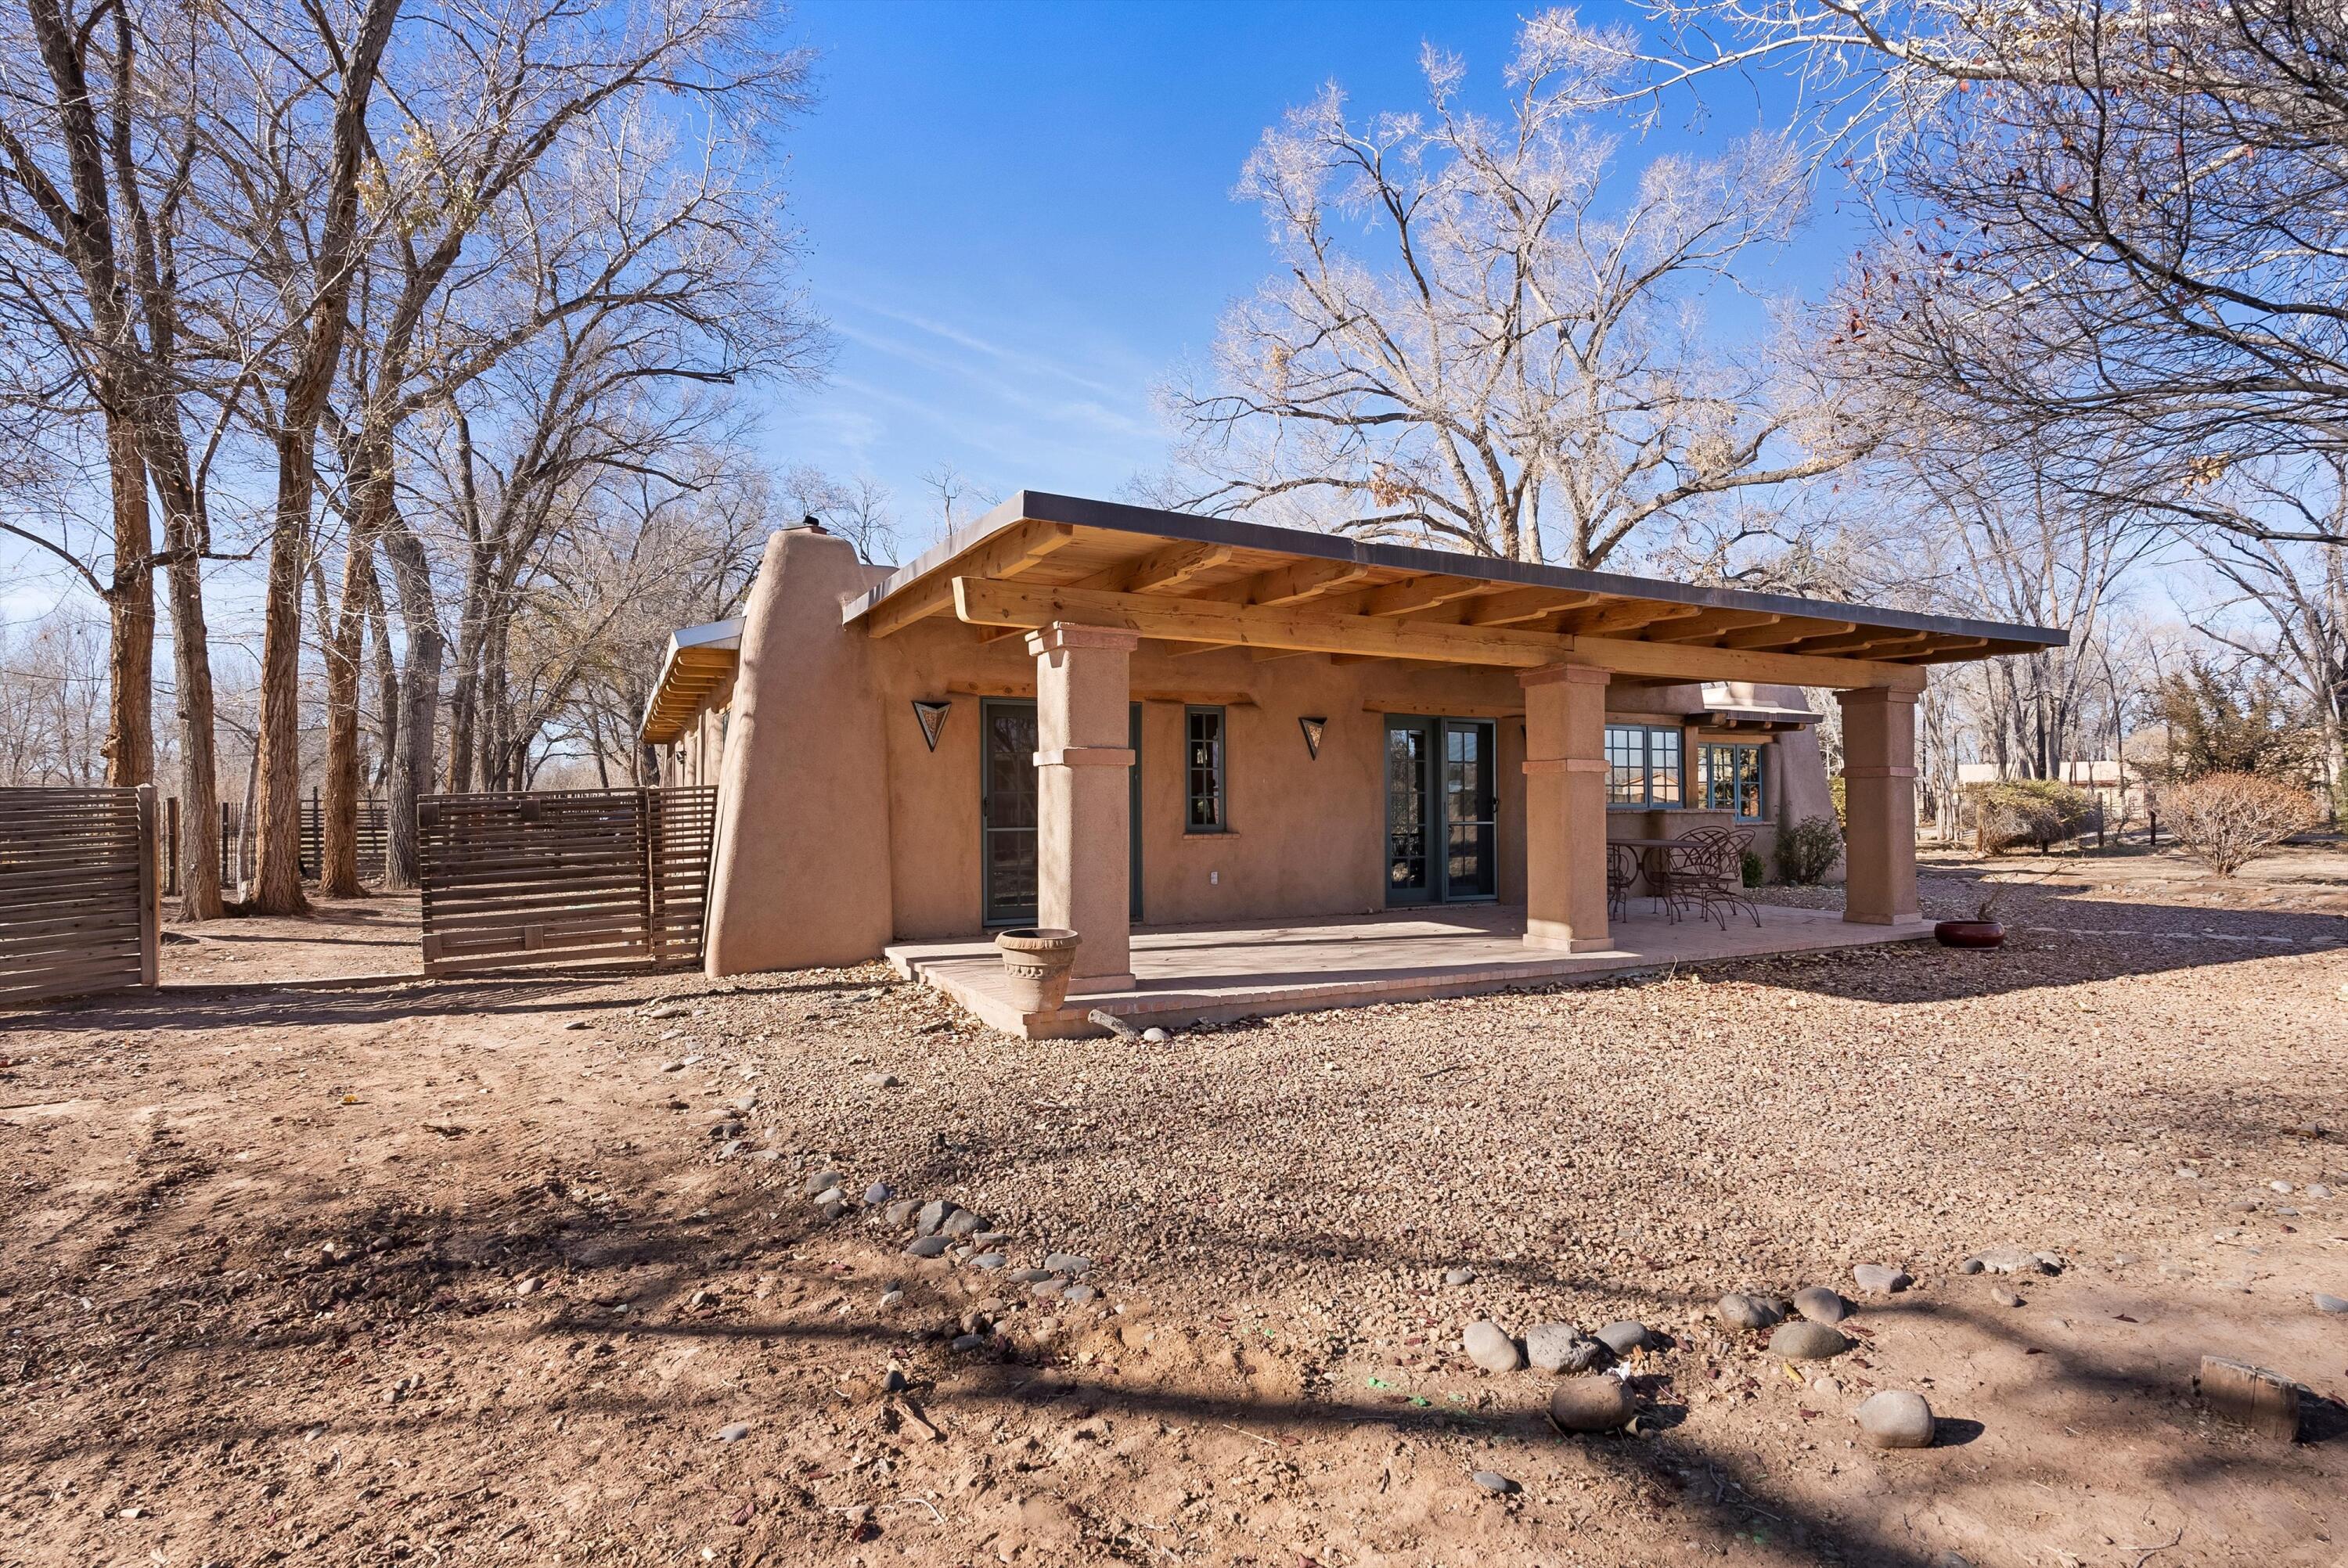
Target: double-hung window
1729 778
1203 771
1642 765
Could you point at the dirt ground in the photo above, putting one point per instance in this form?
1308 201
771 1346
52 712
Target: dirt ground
341 937
526 1271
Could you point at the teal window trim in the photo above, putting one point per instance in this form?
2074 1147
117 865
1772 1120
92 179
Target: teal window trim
1645 767
1731 776
1205 742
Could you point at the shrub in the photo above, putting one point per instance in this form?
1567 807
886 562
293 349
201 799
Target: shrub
2227 820
1752 870
1806 851
2041 813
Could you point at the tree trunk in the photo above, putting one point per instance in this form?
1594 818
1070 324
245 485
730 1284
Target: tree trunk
130 748
463 701
386 678
277 872
338 830
192 675
411 773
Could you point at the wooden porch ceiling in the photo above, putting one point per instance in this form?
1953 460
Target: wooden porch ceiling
699 660
1205 582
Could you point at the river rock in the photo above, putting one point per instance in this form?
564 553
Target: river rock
2329 1303
1881 1279
2012 1260
1592 1404
1821 1303
1493 1482
823 1181
1895 1419
1562 1348
1460 1276
962 1223
1489 1346
930 1216
1803 1341
1071 1264
928 1246
1625 1336
1739 1310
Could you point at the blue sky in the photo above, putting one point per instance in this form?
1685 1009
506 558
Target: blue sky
1018 217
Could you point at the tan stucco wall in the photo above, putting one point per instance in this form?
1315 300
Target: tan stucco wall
840 830
798 877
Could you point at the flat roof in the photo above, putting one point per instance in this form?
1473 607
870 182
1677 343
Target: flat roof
698 660
1145 567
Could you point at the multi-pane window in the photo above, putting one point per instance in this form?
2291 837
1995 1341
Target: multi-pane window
1203 759
1642 765
1728 778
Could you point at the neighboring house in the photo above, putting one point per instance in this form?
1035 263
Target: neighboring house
1086 714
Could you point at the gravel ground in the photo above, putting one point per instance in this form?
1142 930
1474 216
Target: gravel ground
429 1275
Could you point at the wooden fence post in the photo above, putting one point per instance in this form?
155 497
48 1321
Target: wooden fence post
151 902
648 812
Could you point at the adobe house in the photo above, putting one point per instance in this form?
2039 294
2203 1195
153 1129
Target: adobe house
1262 769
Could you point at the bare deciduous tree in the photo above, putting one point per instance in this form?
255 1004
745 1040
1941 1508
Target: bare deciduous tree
1525 360
97 157
856 509
2107 225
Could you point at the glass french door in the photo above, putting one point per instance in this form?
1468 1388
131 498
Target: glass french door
1007 810
1440 811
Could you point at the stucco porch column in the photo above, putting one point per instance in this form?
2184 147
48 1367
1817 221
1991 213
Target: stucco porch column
1084 840
1565 807
1879 747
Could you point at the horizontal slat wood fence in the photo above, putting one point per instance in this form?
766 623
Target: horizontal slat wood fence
515 879
374 836
80 906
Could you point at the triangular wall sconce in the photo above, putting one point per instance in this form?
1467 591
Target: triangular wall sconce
1312 728
932 715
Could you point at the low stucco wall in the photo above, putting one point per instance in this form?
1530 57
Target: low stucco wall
840 830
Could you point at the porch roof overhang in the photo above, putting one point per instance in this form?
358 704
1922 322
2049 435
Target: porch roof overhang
698 660
1201 581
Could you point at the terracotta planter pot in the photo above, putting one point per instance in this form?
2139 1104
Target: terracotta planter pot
1969 934
1035 960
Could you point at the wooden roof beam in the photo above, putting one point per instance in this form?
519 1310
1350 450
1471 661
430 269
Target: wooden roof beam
1519 605
1290 584
981 603
1162 570
1632 615
1412 595
1002 556
1780 635
1865 639
1715 623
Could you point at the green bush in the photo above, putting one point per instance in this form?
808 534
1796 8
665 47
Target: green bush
2041 813
1755 872
1806 851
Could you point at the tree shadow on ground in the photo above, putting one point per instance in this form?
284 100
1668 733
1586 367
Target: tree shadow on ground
261 1004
